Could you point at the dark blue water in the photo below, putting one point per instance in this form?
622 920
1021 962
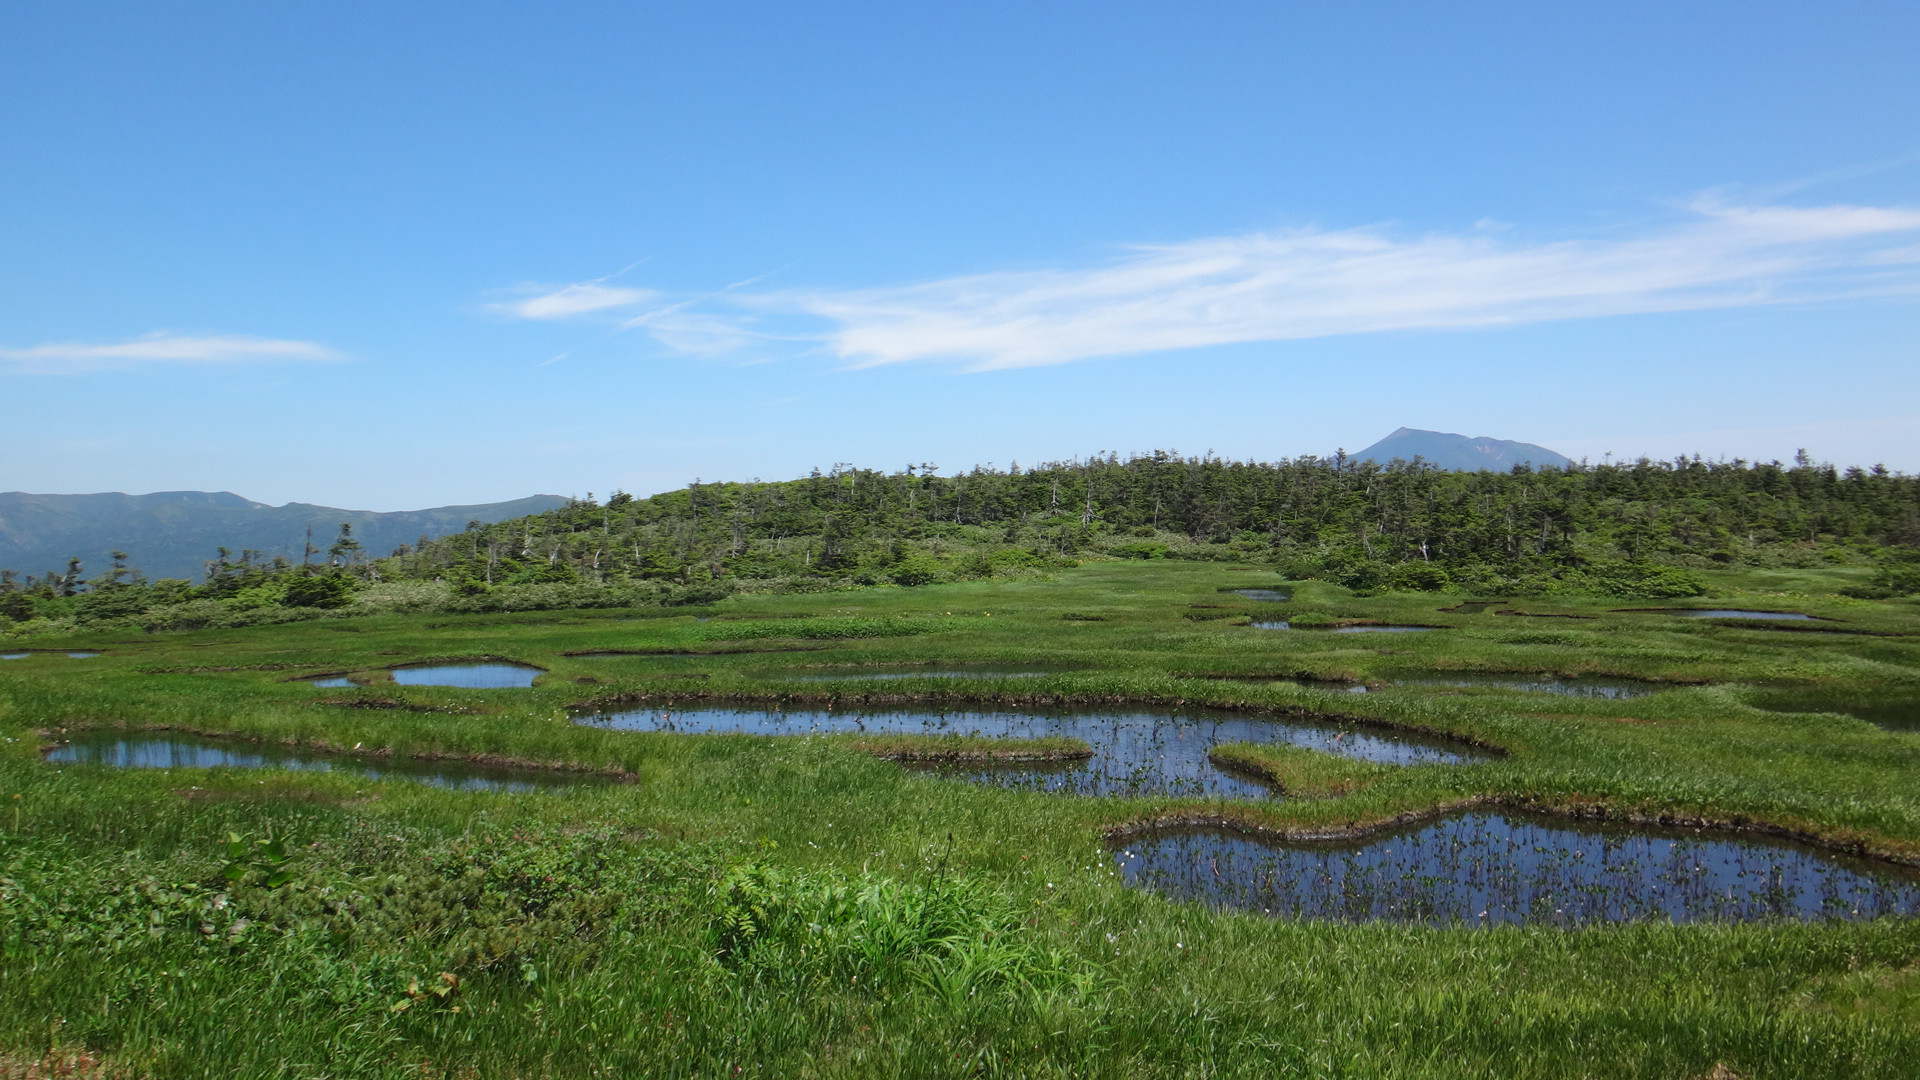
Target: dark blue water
1268 596
467 676
187 752
1482 868
1135 751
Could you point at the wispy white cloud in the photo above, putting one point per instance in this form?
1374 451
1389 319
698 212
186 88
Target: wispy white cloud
1305 283
572 301
1313 283
166 349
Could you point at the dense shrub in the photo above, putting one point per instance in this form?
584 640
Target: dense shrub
1635 581
329 590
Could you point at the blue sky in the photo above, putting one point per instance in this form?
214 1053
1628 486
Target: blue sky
399 255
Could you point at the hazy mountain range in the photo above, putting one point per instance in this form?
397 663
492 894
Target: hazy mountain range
1458 453
173 533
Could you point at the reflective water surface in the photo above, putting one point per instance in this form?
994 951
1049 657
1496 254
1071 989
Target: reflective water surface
1135 751
467 676
1269 596
1480 868
332 681
120 750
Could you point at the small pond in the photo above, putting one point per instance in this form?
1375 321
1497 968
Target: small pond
1729 613
332 682
1279 624
75 655
468 676
816 675
1265 596
1481 868
121 750
1135 751
1582 686
1895 712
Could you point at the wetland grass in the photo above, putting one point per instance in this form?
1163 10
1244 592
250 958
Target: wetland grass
795 906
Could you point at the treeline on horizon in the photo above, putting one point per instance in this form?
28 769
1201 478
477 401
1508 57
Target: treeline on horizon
1639 529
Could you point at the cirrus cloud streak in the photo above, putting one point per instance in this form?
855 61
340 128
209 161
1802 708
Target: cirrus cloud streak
167 349
1307 283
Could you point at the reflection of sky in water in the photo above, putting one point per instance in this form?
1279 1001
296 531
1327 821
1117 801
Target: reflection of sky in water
1481 868
189 753
332 682
467 676
1134 751
1270 596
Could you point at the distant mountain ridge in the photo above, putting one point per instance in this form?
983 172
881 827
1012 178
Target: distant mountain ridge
1458 453
173 533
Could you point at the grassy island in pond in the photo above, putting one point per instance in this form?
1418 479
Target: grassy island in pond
848 833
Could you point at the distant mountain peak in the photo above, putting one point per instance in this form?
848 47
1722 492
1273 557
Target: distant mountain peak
1460 453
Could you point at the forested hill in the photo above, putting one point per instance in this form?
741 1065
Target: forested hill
172 534
1640 529
1365 524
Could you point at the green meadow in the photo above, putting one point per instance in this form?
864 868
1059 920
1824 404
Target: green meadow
811 906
